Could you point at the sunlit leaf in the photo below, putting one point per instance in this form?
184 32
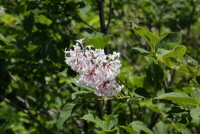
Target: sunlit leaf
138 126
108 120
130 130
161 128
195 114
149 37
94 119
114 131
179 97
99 42
65 114
169 38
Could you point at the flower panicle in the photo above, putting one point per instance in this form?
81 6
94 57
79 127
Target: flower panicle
97 69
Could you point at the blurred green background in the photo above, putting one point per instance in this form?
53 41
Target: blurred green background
35 82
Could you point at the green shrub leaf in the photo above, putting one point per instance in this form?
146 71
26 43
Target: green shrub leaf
130 130
179 97
94 119
160 128
65 114
195 114
149 37
174 37
138 126
154 75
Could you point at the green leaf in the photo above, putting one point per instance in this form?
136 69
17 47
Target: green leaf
112 123
95 119
160 128
8 48
99 42
138 126
139 81
174 37
173 57
3 40
43 20
114 131
179 126
195 82
196 94
138 50
130 130
65 114
108 119
149 37
179 97
142 93
148 55
195 114
155 75
188 65
28 23
188 90
177 51
84 8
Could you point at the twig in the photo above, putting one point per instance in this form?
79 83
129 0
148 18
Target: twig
124 84
118 98
139 110
25 111
99 109
131 111
109 107
12 104
190 20
80 19
154 118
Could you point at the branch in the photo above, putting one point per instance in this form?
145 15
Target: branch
80 19
154 118
12 104
140 116
109 17
25 111
131 111
190 20
99 109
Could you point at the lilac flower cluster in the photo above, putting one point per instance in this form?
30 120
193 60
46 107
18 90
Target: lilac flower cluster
97 69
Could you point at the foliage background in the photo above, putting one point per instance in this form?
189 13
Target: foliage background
36 83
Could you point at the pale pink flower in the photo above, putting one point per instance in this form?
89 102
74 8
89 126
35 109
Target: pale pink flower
97 70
